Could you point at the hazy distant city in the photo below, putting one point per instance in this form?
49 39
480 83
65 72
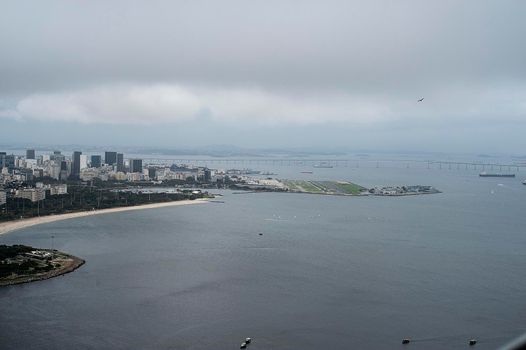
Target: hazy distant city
36 176
261 174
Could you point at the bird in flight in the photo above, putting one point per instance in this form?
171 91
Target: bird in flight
421 99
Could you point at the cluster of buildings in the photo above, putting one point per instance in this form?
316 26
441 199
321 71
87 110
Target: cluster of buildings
60 167
16 171
112 167
184 173
34 194
403 190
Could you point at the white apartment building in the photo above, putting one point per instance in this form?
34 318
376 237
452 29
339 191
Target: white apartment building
58 189
33 194
89 174
83 161
52 170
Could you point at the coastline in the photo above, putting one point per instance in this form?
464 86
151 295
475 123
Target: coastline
14 225
72 265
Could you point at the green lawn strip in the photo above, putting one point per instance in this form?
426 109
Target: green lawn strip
307 186
350 187
292 185
334 187
301 186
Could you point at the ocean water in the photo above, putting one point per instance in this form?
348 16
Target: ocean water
328 272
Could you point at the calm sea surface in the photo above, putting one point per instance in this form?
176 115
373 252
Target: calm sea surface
328 272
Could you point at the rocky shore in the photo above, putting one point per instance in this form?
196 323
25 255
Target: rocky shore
36 265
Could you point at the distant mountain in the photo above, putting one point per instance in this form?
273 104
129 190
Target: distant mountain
234 151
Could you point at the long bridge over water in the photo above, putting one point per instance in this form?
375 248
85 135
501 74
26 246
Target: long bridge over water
337 162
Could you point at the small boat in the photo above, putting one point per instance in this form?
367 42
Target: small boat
406 341
306 172
524 182
248 340
243 345
472 342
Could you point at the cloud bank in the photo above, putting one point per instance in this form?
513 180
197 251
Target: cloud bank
164 103
169 103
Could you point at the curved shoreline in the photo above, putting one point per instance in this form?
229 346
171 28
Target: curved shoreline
14 225
75 264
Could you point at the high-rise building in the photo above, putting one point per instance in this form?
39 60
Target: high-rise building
9 161
57 156
83 161
53 170
152 173
30 154
135 165
75 166
207 175
110 158
2 159
120 162
26 174
96 161
64 170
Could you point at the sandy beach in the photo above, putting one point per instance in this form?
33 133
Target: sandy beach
9 226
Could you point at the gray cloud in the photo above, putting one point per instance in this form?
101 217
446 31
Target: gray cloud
308 62
355 45
165 103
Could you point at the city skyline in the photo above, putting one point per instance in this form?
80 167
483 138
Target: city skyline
263 174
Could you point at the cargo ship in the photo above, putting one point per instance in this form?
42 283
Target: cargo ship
484 174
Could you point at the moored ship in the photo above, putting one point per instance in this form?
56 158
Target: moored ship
484 174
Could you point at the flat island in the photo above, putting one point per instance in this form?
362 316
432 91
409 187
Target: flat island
335 188
324 187
21 264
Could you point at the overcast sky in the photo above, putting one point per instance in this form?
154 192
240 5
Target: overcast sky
266 73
